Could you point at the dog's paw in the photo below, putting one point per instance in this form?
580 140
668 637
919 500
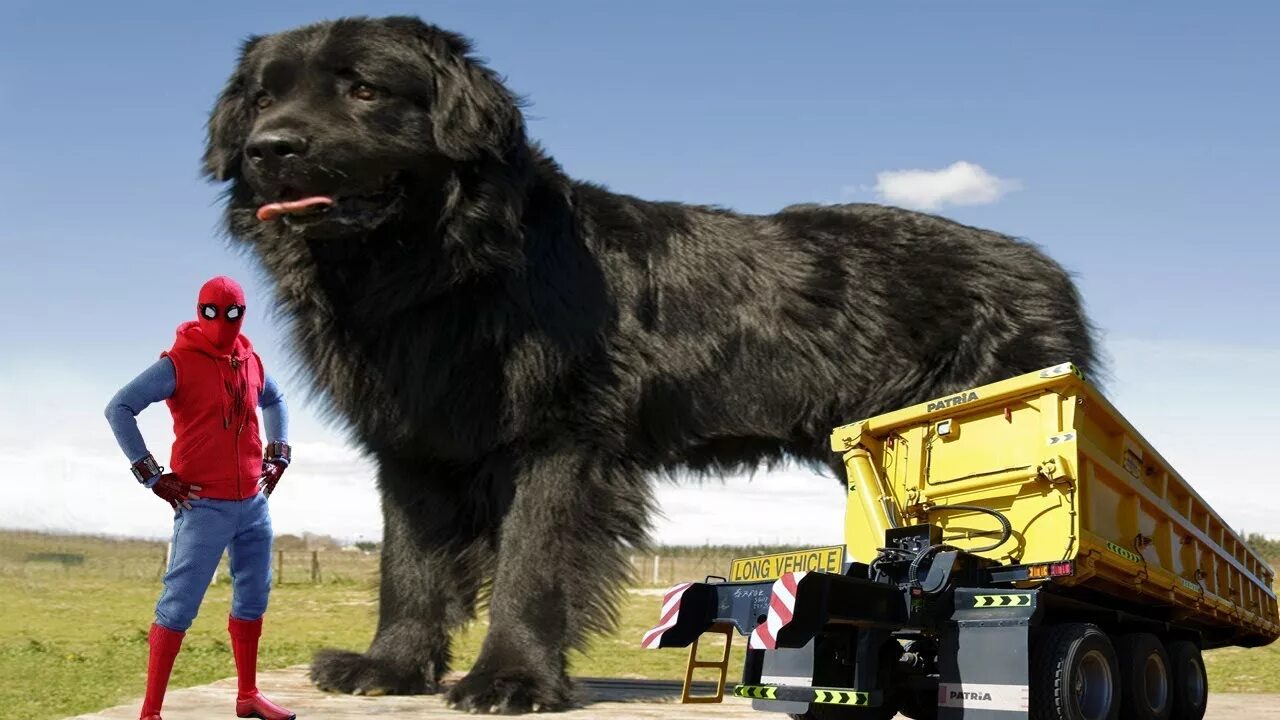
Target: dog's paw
510 692
363 674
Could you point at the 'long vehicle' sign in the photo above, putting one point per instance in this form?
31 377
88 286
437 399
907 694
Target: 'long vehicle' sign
771 567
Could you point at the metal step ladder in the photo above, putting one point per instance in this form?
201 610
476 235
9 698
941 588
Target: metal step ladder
722 665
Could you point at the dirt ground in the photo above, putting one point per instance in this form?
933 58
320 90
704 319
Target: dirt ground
614 699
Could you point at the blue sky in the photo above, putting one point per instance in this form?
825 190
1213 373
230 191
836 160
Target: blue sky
1138 145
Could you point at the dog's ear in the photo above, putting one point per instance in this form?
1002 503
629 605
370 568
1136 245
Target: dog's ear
473 114
228 126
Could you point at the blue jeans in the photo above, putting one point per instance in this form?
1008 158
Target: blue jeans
200 535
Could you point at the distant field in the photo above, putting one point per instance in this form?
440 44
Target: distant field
74 613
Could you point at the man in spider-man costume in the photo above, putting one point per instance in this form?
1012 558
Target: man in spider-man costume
218 484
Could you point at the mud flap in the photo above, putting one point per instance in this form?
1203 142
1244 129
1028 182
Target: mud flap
785 666
984 656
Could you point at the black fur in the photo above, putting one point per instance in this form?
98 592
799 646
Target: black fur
523 352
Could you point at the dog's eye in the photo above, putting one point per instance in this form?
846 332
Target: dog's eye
263 101
363 91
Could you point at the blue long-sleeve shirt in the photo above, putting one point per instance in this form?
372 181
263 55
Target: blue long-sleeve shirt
157 383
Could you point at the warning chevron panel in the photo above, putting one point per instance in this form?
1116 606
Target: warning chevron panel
823 696
1007 600
1127 554
756 692
841 697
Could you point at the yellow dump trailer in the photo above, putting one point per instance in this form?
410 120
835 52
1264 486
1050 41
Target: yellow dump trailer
1077 482
1016 550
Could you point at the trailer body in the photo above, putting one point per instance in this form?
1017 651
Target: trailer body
985 532
1079 484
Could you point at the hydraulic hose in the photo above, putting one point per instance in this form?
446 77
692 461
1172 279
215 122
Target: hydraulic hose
1006 532
1006 528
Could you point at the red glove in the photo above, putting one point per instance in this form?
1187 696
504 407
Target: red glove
173 491
271 472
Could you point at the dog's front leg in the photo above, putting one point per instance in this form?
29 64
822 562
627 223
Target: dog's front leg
561 569
434 556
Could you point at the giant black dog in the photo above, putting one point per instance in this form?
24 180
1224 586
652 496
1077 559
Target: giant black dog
522 352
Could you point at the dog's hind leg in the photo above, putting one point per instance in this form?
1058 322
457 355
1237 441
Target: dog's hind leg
562 567
433 559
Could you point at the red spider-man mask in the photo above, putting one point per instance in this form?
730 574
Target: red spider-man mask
220 311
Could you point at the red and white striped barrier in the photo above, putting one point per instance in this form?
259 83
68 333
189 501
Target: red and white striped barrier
782 605
670 612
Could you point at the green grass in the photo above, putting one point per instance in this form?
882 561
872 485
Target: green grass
80 645
1244 670
73 637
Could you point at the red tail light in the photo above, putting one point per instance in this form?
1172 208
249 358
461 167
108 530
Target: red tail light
1041 571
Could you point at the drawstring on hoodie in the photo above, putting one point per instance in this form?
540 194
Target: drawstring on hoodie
234 403
232 368
230 391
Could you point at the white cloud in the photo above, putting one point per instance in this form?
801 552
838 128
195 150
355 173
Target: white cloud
961 183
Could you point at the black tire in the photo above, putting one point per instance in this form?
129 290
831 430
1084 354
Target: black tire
1146 690
1074 674
1190 683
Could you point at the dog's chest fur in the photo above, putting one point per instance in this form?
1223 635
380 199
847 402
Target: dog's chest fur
454 376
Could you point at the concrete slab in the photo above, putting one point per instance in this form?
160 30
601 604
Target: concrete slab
603 698
611 698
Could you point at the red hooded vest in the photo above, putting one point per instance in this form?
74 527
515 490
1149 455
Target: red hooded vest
215 424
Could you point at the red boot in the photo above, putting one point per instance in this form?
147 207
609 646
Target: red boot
165 644
244 646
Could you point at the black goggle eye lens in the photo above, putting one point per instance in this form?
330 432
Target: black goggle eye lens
209 311
234 311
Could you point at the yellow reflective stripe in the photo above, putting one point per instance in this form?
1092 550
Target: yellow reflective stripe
820 695
841 697
1005 600
1125 553
756 692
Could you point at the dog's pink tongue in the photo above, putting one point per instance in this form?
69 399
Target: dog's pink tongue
271 211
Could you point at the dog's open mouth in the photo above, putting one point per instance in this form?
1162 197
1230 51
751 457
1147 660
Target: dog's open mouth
302 206
297 207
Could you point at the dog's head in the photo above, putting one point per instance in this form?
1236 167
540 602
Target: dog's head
332 129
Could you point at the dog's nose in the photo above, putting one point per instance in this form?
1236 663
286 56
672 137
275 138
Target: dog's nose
276 145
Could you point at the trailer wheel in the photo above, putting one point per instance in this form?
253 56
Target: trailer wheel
1145 688
1188 679
1074 674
